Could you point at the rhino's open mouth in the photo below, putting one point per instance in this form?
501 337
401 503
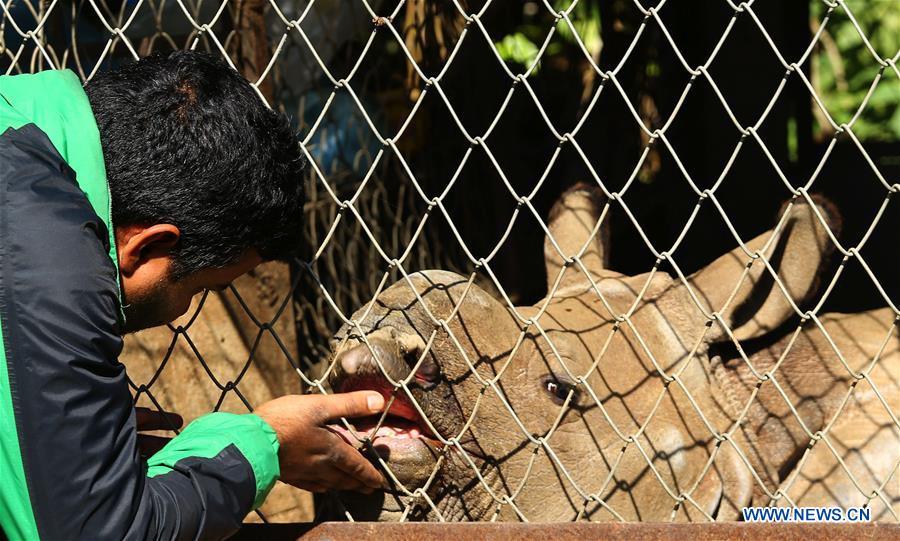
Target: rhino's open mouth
403 439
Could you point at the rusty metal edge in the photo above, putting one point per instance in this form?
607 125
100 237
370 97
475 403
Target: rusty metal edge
566 531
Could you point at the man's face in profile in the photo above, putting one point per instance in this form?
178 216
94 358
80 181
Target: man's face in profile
152 296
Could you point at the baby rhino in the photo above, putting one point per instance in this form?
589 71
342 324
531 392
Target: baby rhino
627 397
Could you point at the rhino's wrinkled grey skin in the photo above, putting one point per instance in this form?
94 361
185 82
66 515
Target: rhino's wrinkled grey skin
589 441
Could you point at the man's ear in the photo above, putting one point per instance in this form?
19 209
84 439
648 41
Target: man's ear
796 250
137 244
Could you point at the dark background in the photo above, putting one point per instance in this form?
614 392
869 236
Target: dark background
747 73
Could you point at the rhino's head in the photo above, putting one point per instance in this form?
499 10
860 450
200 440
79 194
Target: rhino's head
542 411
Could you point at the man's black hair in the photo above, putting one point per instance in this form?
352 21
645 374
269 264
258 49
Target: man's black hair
187 141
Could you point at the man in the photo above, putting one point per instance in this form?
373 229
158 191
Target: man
118 203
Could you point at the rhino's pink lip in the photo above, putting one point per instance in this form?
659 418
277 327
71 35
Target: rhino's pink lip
401 408
401 414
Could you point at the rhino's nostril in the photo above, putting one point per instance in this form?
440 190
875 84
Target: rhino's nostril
392 352
428 373
411 348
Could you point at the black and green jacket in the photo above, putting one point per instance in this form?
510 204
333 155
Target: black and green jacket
69 463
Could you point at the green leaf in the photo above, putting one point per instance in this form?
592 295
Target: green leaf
893 125
517 48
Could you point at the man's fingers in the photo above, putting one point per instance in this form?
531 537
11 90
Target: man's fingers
335 479
353 463
345 482
355 404
329 478
148 419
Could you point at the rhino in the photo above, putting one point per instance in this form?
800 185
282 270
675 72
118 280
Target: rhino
636 398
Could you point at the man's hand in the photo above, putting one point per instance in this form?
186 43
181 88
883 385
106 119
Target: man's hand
148 419
312 456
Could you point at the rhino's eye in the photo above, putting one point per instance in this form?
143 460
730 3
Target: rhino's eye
559 390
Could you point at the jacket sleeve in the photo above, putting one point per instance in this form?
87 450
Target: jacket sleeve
69 463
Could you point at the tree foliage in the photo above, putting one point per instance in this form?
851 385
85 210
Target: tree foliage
844 68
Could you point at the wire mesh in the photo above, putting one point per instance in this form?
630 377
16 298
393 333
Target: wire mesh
371 213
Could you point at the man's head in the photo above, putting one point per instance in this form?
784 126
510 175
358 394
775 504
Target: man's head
205 180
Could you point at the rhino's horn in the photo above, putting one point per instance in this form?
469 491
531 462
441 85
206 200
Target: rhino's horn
579 225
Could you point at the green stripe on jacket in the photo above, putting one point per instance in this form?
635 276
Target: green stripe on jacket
56 103
207 436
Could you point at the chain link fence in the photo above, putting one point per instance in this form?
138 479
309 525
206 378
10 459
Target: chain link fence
438 135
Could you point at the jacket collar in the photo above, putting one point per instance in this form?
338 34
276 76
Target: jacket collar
55 102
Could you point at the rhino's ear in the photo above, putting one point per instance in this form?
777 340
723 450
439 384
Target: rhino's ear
796 251
577 220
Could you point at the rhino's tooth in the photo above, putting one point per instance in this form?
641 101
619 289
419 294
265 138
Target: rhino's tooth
385 431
